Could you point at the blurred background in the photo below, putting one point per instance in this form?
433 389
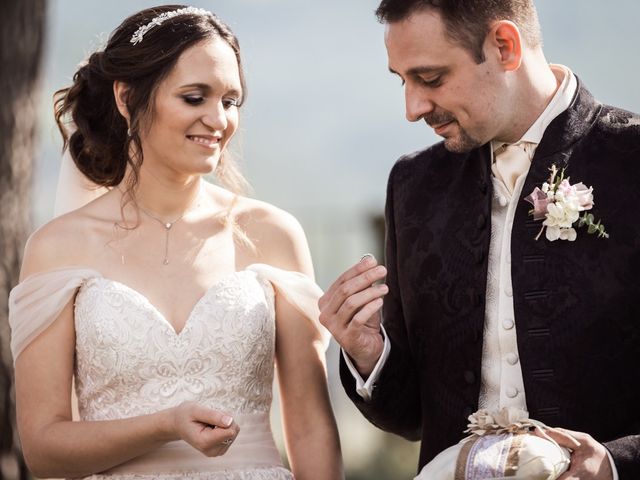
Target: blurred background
324 123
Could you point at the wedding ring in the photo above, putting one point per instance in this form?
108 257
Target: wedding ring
366 255
228 441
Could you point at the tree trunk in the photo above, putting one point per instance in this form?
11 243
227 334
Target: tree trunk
22 29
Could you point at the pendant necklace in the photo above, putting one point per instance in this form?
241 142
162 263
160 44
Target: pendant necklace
168 226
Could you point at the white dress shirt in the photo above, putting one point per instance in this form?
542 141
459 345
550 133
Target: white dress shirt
502 384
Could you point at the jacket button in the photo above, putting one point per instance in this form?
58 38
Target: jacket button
469 377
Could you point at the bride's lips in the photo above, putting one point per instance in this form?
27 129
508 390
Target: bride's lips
206 141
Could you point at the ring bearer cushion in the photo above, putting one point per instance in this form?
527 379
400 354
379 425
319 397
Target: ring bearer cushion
501 446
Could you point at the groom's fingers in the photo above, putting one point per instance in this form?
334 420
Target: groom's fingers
355 303
564 438
362 266
367 315
344 301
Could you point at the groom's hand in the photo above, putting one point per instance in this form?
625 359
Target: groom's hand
350 310
589 460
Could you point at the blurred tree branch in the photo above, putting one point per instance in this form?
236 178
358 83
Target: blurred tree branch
22 31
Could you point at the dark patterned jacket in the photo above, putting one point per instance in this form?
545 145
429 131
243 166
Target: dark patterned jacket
577 304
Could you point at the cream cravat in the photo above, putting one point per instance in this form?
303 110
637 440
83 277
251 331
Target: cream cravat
511 161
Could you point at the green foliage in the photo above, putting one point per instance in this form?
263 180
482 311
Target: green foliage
592 226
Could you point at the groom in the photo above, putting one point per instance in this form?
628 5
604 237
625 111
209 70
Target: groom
479 311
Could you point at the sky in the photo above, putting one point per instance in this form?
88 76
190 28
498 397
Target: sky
324 119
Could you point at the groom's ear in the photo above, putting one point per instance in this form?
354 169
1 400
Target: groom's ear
505 39
120 92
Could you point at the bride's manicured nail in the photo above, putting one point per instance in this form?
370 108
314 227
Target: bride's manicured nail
227 420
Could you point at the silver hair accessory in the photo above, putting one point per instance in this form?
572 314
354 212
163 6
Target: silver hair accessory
163 17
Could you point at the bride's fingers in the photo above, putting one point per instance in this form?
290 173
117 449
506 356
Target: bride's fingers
215 442
209 416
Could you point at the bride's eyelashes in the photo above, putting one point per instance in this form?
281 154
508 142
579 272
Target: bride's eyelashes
193 99
198 100
230 102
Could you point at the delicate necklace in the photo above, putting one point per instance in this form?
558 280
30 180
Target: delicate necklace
168 226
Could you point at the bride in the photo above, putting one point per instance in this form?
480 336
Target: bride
167 299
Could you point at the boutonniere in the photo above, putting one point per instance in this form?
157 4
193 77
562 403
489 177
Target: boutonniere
560 205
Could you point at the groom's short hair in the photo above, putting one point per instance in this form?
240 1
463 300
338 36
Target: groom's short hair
469 21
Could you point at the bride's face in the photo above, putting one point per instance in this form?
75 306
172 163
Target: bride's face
195 111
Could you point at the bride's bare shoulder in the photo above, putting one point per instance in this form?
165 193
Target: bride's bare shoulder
277 235
69 239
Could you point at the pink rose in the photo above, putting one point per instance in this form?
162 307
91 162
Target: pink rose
565 188
540 203
585 196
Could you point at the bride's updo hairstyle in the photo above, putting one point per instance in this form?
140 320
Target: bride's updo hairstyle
140 52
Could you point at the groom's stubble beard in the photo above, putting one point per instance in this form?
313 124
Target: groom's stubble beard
463 142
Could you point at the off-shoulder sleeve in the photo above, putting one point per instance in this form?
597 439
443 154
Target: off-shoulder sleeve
299 290
36 302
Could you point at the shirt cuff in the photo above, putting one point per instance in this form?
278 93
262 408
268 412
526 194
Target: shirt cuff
365 389
613 465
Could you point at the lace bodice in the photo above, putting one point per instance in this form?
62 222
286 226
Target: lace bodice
130 361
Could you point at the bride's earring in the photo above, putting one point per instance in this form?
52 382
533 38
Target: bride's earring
128 132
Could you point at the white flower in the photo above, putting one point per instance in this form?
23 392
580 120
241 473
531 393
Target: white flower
557 233
568 234
552 233
562 214
559 203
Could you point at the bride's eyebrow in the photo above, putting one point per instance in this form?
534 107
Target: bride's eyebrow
202 86
206 88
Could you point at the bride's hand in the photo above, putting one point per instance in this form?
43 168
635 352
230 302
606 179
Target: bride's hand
210 431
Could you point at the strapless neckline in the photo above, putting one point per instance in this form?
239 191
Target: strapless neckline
217 284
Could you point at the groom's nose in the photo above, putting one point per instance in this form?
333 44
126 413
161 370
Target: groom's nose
417 103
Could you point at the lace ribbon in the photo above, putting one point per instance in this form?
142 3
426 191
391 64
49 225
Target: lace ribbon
510 420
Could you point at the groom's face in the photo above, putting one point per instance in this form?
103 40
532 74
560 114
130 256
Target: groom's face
444 85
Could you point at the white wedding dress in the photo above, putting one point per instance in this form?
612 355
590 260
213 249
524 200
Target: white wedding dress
130 361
